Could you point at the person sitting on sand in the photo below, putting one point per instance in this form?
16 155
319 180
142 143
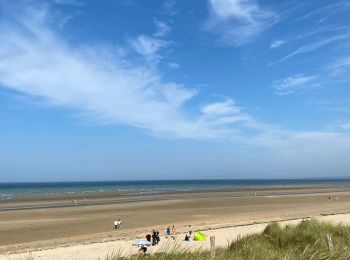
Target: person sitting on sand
187 237
148 237
142 250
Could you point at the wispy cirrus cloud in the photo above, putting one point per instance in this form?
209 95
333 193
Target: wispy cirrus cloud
162 28
339 63
102 83
295 83
313 46
148 46
239 21
326 11
277 43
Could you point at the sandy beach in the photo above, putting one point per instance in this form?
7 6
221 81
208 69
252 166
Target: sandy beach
52 227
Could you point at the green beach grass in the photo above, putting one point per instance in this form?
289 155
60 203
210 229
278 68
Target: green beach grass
307 240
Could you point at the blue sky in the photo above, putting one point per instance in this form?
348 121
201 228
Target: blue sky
126 89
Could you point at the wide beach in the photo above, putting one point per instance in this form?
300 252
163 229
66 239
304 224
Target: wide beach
53 222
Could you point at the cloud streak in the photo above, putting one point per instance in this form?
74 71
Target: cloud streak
314 46
295 83
239 21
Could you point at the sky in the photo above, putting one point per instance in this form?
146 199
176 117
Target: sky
166 89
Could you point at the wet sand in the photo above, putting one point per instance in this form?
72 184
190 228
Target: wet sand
60 223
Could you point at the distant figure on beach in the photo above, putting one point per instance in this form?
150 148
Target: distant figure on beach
117 224
173 232
187 237
329 198
190 231
157 237
154 238
148 237
74 202
167 231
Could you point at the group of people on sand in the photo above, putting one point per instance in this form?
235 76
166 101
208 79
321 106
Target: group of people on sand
172 232
154 238
118 224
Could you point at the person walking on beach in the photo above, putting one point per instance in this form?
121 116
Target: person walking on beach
119 224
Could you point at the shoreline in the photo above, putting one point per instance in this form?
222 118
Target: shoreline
30 196
116 197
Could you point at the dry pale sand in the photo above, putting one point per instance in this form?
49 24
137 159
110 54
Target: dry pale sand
223 236
86 231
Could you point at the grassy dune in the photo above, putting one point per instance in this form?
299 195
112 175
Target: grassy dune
304 241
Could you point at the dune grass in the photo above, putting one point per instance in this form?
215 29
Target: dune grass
307 240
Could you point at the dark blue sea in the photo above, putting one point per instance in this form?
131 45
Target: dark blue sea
13 190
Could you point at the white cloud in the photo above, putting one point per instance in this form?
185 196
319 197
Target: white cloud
327 11
341 62
294 83
277 44
148 46
222 108
162 29
314 46
101 83
239 21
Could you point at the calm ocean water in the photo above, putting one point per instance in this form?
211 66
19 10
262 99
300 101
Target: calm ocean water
12 190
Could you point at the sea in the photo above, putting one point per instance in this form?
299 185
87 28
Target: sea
10 191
